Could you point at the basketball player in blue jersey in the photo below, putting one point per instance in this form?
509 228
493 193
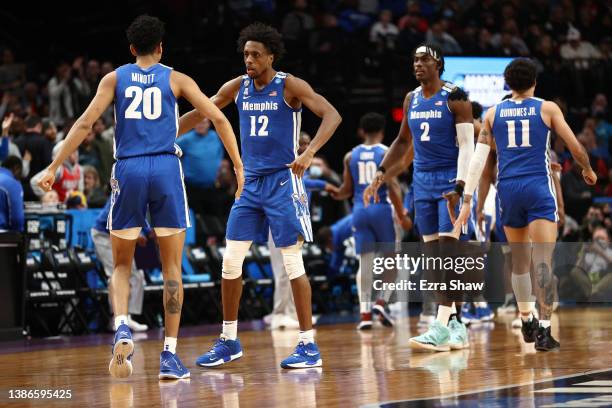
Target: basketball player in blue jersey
147 176
519 130
374 223
438 130
269 108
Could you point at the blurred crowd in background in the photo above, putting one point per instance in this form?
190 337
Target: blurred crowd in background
356 52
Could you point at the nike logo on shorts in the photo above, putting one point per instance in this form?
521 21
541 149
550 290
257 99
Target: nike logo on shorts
282 183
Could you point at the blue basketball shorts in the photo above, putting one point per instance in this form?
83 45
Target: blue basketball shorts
500 234
277 201
526 199
371 225
431 212
153 183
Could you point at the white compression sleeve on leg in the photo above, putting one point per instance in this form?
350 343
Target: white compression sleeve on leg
292 259
477 163
465 140
521 284
235 252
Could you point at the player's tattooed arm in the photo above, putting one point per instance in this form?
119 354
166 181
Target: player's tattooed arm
172 301
553 117
103 98
299 92
346 188
226 94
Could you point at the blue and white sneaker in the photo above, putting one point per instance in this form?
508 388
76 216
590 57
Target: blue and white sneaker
223 351
468 315
304 356
484 314
123 348
171 367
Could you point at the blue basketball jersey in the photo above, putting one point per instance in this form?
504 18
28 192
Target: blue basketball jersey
269 127
432 125
365 160
522 139
146 112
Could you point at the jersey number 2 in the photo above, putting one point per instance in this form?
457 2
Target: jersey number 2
151 102
512 133
263 128
425 135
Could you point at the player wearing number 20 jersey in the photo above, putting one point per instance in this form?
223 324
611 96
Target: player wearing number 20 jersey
148 172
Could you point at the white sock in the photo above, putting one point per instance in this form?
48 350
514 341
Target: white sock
306 336
444 313
230 329
521 284
453 308
527 318
120 319
170 344
544 323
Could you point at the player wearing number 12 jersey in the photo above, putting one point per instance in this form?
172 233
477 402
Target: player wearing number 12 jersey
519 129
269 108
146 177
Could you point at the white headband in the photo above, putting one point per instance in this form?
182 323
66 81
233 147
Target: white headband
423 49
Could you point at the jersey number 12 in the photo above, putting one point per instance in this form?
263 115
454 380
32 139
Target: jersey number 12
263 125
151 102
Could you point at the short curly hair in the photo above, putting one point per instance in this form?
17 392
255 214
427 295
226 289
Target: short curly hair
520 74
265 34
145 33
372 122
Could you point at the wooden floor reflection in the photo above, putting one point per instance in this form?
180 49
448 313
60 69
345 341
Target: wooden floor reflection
359 368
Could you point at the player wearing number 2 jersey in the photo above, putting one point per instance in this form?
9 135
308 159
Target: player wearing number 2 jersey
519 129
438 128
146 177
269 107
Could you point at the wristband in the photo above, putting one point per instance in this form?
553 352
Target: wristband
459 189
382 169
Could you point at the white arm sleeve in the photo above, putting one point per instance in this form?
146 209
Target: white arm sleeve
476 166
465 140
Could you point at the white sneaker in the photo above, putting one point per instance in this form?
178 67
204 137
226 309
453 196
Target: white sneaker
291 323
135 326
267 319
280 321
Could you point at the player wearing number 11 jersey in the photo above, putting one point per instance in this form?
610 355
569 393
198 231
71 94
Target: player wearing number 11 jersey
147 177
519 129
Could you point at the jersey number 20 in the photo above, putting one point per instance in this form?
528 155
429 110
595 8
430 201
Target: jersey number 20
151 102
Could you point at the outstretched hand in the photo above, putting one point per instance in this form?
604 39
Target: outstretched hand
589 177
371 191
462 219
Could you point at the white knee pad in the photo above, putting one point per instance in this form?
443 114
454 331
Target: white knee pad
235 252
292 259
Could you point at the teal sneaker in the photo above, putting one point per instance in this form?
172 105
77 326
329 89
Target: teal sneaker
434 339
458 335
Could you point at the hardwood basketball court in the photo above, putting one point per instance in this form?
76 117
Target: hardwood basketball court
360 368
